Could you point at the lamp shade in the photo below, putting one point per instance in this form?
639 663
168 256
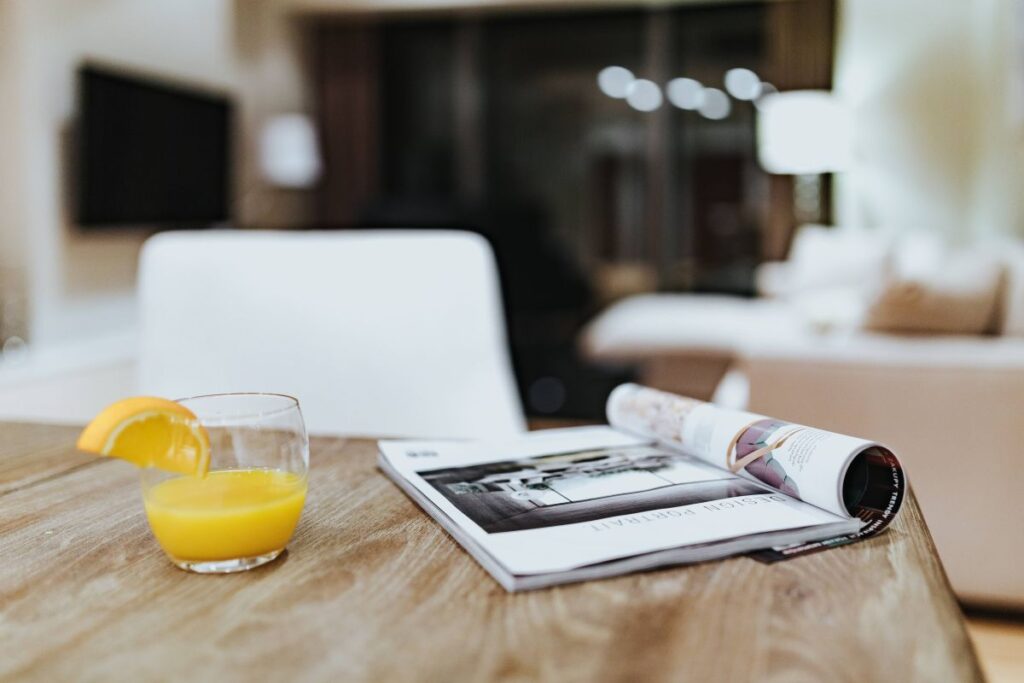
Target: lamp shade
803 132
289 156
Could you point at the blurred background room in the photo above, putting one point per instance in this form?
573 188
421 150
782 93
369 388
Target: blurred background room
809 208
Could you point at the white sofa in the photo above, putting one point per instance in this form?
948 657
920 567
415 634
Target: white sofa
952 406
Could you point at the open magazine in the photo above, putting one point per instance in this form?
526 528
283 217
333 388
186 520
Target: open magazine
672 480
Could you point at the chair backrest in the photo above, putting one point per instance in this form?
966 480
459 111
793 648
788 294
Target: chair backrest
396 333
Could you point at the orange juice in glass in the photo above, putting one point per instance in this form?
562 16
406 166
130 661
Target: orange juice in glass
241 512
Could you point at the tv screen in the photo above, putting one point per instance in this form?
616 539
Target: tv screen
151 153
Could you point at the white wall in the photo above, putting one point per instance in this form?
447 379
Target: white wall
13 206
82 284
998 190
936 96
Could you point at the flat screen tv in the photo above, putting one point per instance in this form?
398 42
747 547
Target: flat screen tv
150 153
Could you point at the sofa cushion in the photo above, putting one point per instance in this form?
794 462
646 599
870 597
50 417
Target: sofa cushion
830 275
832 309
659 324
939 291
836 258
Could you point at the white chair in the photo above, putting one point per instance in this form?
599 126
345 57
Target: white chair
389 333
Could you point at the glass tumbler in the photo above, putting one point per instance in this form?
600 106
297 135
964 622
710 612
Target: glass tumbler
243 511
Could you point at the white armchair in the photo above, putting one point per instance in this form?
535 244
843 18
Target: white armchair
376 332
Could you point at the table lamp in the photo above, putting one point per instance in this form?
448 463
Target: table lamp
289 153
803 133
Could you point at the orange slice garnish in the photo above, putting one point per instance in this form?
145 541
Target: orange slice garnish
149 432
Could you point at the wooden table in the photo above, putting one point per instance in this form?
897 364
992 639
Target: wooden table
371 589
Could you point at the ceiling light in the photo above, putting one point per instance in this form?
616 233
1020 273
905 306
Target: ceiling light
685 93
716 104
614 81
644 95
743 84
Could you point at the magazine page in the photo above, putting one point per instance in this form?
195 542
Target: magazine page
561 499
848 476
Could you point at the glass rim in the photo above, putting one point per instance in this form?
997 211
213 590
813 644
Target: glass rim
293 404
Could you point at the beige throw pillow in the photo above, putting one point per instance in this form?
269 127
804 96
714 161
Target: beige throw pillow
958 293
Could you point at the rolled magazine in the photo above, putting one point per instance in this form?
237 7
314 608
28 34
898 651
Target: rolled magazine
672 480
846 475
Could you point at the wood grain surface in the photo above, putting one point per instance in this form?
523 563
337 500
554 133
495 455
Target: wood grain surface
372 589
